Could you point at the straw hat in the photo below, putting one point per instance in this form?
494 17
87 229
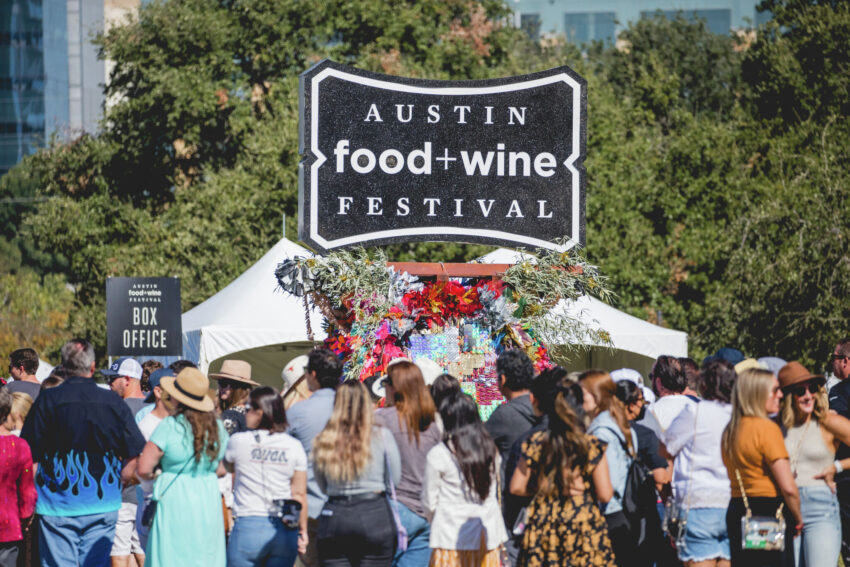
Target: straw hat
235 370
189 388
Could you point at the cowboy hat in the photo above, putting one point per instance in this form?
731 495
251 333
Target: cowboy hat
190 389
235 370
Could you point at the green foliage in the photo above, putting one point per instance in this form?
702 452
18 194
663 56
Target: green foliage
667 65
799 65
715 166
34 312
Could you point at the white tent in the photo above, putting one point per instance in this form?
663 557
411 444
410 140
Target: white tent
634 343
253 320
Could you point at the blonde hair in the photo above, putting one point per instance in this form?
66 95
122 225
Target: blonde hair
21 404
786 411
603 389
342 450
749 398
299 392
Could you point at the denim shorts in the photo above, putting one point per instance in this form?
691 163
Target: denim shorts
705 535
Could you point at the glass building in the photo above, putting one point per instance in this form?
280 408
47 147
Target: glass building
581 21
50 77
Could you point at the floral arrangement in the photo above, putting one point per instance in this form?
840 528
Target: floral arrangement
372 311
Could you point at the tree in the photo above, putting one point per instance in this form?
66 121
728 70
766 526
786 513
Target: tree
198 154
33 313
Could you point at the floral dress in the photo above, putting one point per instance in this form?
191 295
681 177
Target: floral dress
565 530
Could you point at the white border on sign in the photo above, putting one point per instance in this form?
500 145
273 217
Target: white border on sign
398 87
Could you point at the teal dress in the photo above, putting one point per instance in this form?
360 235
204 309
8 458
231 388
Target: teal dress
188 528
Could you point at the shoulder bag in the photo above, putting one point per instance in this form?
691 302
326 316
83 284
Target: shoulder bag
675 523
765 533
150 509
400 529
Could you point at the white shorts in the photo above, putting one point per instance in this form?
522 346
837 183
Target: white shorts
126 540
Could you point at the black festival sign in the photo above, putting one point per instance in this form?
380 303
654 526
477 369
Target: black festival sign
390 159
143 317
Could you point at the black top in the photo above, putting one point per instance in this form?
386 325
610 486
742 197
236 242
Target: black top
79 434
648 448
839 401
509 422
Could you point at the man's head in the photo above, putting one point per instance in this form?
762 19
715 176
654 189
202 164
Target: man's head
124 376
515 370
691 372
158 395
178 365
323 369
78 358
148 366
23 363
667 377
841 359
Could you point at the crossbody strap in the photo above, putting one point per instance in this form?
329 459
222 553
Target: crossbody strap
192 458
749 514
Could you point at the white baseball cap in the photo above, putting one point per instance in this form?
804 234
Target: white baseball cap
124 366
294 370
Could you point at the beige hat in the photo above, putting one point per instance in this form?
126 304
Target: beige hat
236 370
747 364
294 370
190 389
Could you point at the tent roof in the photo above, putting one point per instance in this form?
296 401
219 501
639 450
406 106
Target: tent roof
250 312
627 332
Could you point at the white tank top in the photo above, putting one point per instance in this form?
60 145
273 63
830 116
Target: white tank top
808 452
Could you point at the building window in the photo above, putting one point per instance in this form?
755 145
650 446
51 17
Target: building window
584 27
717 21
530 24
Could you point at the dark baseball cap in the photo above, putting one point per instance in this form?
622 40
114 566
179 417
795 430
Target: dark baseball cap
154 380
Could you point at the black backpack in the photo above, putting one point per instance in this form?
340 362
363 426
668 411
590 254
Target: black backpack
639 500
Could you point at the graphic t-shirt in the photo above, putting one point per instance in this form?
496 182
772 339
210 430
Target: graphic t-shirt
264 464
79 435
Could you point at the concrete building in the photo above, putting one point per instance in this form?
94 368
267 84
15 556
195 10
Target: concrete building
51 81
582 21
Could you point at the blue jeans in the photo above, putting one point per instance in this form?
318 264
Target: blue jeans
65 541
418 552
261 540
705 535
820 542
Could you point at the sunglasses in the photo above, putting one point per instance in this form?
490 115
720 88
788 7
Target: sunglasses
226 384
813 387
835 357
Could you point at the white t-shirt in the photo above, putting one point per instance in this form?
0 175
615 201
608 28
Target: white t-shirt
263 465
147 426
667 409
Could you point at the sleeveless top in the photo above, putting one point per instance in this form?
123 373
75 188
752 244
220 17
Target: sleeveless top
808 452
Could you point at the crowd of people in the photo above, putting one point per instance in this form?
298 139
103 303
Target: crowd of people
738 461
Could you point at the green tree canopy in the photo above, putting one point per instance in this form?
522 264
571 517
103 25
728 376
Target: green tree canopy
715 164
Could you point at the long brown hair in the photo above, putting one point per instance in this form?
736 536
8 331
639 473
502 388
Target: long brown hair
603 389
412 399
566 446
204 425
238 396
342 450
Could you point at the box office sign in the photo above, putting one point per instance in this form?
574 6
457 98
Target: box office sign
143 317
389 159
